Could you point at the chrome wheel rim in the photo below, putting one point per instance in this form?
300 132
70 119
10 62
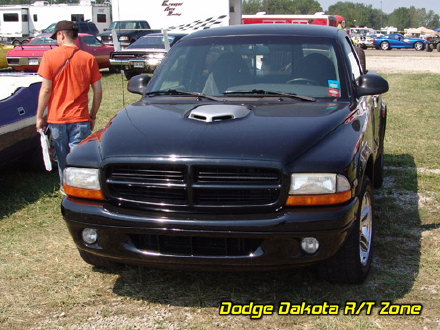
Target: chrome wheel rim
365 229
384 46
418 46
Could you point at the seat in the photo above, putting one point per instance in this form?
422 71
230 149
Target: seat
227 71
317 68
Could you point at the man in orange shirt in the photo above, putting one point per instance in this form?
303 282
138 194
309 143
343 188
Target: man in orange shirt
68 73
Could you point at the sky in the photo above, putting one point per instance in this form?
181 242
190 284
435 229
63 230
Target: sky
389 5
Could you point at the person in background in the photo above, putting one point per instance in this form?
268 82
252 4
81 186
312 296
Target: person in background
68 73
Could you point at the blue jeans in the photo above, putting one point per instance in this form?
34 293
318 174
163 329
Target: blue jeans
65 137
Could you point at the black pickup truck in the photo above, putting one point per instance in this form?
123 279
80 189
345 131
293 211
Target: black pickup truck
253 147
126 31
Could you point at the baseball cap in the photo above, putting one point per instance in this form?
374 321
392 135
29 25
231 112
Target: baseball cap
64 25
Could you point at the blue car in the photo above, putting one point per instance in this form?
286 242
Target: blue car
396 40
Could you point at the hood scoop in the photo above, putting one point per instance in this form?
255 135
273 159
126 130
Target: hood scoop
218 112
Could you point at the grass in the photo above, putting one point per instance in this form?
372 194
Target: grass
45 285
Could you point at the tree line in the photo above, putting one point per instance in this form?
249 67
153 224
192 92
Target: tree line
356 14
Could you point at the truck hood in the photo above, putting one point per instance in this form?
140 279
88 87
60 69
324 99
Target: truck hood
271 132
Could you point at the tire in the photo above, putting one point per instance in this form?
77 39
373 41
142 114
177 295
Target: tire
438 47
129 74
114 69
16 43
361 54
428 48
385 45
378 172
97 261
419 45
352 262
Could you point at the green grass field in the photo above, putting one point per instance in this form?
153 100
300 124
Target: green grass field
45 285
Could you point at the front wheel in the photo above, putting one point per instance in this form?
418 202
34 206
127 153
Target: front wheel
352 262
418 45
385 45
428 48
438 47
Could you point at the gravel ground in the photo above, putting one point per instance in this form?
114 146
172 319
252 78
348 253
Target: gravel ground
403 61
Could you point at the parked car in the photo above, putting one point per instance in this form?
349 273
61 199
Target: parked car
396 40
253 147
83 27
433 43
27 57
144 55
3 51
126 31
18 104
366 41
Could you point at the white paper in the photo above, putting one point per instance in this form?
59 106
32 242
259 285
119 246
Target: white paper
45 148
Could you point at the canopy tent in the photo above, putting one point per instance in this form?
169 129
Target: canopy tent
421 30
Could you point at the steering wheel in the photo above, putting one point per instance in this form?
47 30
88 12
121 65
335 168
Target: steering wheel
304 81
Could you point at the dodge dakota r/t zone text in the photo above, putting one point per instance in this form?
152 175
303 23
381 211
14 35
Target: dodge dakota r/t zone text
252 147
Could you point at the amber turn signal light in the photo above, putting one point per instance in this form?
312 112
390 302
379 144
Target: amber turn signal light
83 193
320 199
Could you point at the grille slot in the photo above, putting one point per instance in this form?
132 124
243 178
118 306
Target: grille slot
236 196
196 246
151 184
236 175
190 187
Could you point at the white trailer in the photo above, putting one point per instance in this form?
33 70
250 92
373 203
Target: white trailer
179 15
20 22
14 21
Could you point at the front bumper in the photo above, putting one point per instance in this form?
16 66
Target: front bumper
28 62
147 65
209 241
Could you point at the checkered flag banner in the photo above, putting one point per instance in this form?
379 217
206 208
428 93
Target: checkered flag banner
208 23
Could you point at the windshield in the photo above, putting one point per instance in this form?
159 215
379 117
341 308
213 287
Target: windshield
46 40
151 42
229 65
125 25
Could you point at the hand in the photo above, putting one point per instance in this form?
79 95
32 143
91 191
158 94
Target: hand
92 124
41 124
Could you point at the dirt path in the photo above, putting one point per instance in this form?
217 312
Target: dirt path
403 61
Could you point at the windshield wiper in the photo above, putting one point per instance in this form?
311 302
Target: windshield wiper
179 92
265 92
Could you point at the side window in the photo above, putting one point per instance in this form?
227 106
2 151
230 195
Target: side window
77 18
92 41
102 18
353 58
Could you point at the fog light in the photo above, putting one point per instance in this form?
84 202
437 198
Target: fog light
309 245
89 235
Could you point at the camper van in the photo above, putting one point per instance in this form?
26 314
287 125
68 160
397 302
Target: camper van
21 22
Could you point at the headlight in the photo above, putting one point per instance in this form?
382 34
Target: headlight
158 56
124 38
82 183
307 189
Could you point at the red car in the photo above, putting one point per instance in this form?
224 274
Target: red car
27 57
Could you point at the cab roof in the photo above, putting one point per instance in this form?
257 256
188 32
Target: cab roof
305 30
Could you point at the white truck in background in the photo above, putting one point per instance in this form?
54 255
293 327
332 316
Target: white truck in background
179 15
19 23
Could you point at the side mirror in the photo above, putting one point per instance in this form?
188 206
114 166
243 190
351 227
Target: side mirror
138 84
371 84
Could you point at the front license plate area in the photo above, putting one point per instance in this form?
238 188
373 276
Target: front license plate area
138 64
